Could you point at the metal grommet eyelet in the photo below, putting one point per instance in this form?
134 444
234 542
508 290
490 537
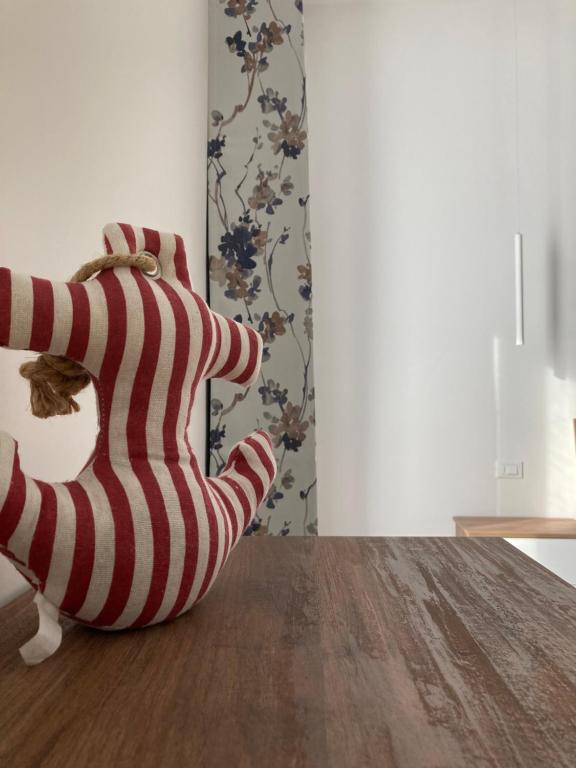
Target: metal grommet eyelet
157 272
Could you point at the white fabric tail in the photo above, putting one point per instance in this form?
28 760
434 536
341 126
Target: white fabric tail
49 636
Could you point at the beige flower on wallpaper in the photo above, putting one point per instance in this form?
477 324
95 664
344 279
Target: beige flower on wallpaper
275 34
273 325
237 7
242 8
218 270
309 324
260 241
262 195
229 276
305 272
289 135
290 429
237 283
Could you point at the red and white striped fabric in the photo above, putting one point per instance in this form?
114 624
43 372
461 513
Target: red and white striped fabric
140 536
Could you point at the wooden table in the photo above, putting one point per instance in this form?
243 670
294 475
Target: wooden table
420 653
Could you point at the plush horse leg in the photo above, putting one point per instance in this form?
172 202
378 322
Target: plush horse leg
246 479
19 511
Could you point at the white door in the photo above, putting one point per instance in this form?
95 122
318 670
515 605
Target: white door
436 130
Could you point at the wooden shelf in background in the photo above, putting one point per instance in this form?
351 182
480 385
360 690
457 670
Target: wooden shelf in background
517 527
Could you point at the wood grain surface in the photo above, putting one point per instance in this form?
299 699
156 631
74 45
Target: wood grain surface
517 527
419 653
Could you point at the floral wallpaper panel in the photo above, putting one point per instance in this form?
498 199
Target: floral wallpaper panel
259 243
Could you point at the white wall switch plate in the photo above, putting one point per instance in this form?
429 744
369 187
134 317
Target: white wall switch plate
510 470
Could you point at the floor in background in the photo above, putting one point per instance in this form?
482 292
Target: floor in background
558 555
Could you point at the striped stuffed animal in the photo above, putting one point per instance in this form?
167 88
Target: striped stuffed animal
140 536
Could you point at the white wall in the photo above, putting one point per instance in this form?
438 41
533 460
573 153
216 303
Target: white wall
420 387
103 118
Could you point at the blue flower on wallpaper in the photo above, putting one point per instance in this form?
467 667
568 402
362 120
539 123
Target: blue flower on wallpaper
273 392
236 44
271 101
274 495
254 527
216 145
237 246
215 438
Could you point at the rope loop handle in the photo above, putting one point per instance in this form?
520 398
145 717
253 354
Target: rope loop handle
54 379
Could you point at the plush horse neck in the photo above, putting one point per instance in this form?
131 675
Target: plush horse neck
140 536
54 380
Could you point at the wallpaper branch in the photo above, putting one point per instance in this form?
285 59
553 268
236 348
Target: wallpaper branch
259 263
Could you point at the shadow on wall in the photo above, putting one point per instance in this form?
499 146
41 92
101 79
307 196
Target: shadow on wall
554 299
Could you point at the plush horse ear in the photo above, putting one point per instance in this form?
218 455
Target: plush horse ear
167 248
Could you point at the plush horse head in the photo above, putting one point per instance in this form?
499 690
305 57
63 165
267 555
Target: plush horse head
140 535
